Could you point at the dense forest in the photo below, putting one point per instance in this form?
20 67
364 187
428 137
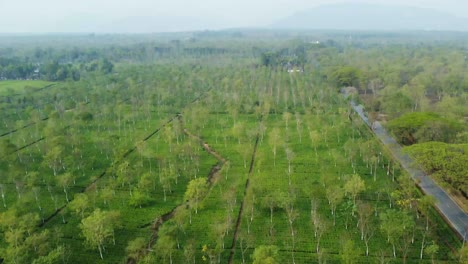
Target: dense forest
229 147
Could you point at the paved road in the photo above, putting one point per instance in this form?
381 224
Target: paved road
455 216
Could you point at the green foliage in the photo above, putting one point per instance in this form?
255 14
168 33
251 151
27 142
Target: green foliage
349 253
446 162
462 254
346 76
265 255
136 248
23 245
85 116
54 256
354 186
79 204
418 127
99 228
270 59
139 199
396 104
105 66
195 192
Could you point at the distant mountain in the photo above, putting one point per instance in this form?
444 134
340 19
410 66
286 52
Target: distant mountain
372 17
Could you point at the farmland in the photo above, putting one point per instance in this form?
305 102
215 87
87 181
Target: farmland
212 155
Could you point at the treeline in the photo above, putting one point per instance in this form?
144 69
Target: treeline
17 69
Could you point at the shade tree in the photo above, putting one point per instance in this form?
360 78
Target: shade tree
98 229
321 226
196 191
274 140
335 195
353 186
397 225
80 204
265 255
136 248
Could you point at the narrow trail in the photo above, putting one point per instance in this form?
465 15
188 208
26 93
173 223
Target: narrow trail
202 143
33 123
211 179
93 183
241 209
32 143
450 211
23 127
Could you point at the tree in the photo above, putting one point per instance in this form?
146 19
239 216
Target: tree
287 117
80 204
289 156
140 199
2 191
445 161
244 152
107 194
462 253
166 246
272 200
246 241
364 213
195 192
335 195
349 253
168 136
189 251
315 139
434 249
105 66
180 217
368 234
167 175
136 248
299 126
426 203
398 226
54 256
249 205
265 255
99 227
292 214
346 76
354 186
274 140
320 226
238 131
419 127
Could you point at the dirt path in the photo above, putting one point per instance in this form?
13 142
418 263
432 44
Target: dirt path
241 209
450 211
211 179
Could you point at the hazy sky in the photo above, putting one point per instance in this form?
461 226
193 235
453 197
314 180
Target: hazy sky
46 15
